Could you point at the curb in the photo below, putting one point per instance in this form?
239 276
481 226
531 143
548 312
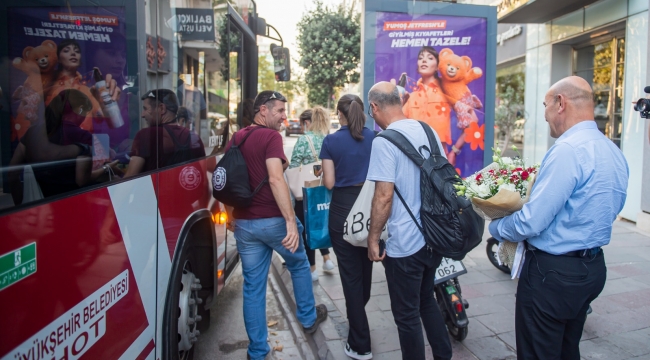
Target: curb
329 339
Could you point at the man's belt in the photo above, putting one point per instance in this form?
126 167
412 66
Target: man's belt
576 253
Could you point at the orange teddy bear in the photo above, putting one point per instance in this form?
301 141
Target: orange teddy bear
456 72
38 63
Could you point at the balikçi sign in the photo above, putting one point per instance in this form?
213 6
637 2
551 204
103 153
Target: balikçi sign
195 24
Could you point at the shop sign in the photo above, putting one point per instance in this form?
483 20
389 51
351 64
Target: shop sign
505 7
509 34
195 24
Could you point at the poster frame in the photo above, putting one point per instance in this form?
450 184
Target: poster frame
369 38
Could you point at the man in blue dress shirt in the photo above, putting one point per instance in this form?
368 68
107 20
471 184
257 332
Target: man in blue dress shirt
580 188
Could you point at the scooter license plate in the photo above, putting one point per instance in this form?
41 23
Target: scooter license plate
449 269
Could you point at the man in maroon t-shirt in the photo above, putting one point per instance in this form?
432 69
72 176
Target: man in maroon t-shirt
165 142
270 224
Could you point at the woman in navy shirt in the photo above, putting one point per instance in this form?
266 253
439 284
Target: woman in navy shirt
346 155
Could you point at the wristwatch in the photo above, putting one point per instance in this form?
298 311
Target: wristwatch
84 150
455 149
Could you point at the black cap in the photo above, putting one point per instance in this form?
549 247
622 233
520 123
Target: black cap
266 96
165 96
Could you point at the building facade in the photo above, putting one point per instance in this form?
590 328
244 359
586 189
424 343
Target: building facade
606 43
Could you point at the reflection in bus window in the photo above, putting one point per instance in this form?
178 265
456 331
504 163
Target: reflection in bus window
165 142
63 118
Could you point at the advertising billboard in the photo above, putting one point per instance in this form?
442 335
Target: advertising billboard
439 63
53 49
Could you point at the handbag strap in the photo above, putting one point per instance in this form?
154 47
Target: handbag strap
311 146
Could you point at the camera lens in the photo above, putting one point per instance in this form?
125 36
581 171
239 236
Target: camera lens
642 105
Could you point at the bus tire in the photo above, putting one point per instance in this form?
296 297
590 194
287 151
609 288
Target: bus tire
180 318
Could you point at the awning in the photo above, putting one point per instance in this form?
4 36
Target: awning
537 11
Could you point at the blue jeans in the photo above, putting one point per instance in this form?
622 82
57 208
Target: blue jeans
256 240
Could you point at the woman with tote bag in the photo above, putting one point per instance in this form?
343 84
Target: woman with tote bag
346 156
316 125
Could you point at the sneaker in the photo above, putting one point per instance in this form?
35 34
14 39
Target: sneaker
355 355
328 265
321 315
314 275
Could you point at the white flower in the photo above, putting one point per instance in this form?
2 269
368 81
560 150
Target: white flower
483 190
508 186
507 161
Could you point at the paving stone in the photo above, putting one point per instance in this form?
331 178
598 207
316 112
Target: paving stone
384 340
380 288
476 329
621 322
623 285
372 305
608 305
490 348
629 270
494 288
378 273
635 342
484 305
496 274
510 338
459 352
470 293
393 355
602 349
382 301
642 278
335 292
378 320
340 305
474 277
498 323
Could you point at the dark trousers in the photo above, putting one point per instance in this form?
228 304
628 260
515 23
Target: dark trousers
311 254
355 269
410 285
553 295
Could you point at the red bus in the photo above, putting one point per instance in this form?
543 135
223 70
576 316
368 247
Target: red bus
94 265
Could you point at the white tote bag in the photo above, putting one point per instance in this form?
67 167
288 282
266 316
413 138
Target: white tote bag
31 189
299 175
355 229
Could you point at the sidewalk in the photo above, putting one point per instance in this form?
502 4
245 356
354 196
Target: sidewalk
618 328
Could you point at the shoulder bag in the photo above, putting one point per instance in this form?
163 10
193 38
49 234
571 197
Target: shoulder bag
305 172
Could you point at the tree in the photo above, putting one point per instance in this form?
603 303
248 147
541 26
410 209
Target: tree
329 42
511 105
265 74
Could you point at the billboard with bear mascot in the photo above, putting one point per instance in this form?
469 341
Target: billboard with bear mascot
54 49
438 63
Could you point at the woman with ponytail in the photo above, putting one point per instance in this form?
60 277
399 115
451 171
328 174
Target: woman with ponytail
346 156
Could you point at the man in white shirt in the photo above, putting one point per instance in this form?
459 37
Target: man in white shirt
410 267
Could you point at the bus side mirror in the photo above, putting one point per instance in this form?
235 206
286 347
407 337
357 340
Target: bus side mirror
281 63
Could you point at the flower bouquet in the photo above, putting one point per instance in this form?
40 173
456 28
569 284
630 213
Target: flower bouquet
499 190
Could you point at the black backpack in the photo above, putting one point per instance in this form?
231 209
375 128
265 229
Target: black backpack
450 225
230 178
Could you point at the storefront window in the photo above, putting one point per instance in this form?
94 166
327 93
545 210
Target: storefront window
602 65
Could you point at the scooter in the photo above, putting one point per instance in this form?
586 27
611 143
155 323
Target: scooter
491 251
450 299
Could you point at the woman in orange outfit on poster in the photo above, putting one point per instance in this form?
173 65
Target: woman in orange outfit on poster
67 77
428 103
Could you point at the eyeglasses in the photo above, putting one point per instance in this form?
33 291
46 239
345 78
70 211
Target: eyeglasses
370 111
266 98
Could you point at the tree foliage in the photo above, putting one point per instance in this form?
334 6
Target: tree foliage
265 74
329 41
226 45
510 107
